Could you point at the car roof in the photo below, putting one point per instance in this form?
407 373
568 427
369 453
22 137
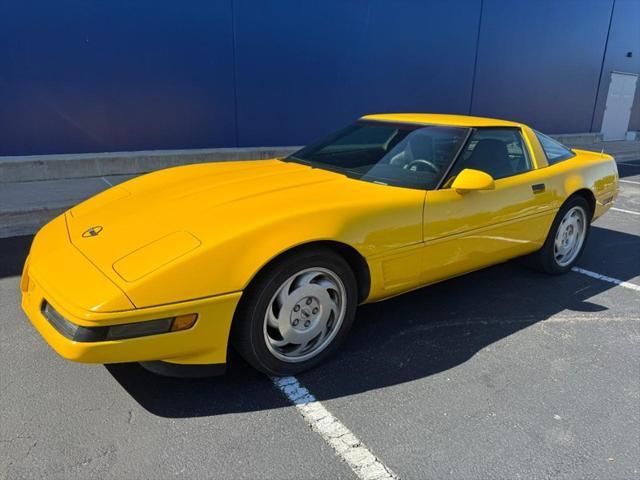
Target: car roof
441 119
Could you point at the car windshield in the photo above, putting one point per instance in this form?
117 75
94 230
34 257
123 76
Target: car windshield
413 156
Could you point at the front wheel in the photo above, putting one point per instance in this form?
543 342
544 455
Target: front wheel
296 313
567 238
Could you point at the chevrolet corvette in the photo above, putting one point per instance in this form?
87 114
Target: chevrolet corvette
272 257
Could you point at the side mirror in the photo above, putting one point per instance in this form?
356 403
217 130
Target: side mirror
469 180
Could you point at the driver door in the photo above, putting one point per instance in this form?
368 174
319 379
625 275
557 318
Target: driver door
467 231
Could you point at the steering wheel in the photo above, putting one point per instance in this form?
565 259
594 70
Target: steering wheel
413 165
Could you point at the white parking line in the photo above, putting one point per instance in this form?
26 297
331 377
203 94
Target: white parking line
346 445
604 278
629 181
624 211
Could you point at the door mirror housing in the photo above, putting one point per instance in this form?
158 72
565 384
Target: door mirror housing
469 180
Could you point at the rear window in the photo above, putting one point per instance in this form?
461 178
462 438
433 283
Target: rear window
554 150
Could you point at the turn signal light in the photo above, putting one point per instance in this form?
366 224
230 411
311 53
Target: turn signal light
24 281
78 333
184 322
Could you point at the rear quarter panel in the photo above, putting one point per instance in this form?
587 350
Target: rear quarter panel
596 172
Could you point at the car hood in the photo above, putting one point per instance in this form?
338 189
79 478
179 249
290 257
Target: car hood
136 227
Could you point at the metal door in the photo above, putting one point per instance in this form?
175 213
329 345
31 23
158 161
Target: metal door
615 121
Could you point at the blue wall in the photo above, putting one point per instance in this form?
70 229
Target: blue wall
541 66
305 67
82 76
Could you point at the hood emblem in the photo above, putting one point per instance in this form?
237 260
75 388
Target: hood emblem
92 231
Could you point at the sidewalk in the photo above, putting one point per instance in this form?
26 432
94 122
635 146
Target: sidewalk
27 205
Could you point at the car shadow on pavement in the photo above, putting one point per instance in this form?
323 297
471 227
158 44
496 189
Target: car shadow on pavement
629 168
13 253
408 337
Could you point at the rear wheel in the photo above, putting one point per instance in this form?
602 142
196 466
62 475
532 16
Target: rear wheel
567 238
296 312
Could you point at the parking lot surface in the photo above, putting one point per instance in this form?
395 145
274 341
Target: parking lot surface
503 373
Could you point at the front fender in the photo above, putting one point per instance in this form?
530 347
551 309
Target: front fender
228 260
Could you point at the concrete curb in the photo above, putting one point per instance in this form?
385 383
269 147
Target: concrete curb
29 217
65 166
15 224
623 156
55 167
576 139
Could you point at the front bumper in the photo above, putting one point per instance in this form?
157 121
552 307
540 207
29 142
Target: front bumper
204 343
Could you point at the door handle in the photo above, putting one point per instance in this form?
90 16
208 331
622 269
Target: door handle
538 187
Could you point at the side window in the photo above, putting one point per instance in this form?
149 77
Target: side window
554 150
500 152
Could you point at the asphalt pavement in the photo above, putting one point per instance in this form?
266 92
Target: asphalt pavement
503 373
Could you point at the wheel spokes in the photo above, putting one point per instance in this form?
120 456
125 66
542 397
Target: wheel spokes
570 236
305 279
283 292
304 314
272 319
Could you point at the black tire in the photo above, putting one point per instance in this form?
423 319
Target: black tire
248 335
544 259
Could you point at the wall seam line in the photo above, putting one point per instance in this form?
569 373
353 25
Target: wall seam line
604 57
475 60
235 75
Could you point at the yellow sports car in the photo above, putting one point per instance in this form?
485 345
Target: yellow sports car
274 256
